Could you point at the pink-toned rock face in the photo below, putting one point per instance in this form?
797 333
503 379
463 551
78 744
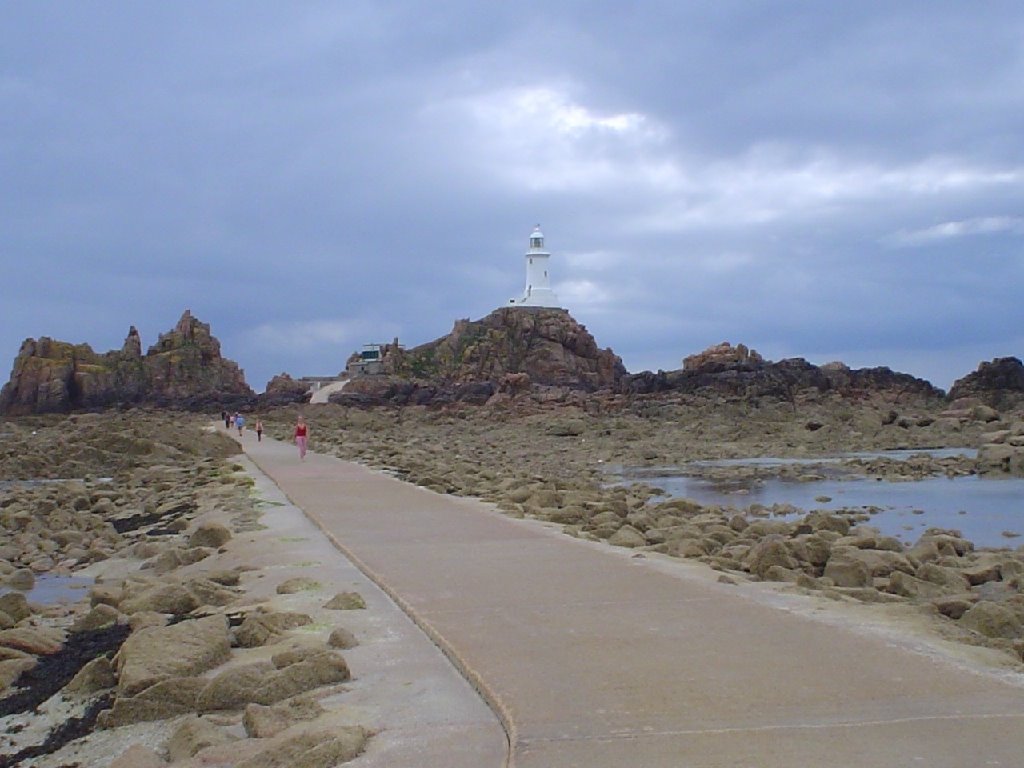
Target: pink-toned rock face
722 355
184 367
547 345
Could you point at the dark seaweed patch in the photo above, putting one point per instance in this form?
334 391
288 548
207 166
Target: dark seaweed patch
54 671
71 729
141 520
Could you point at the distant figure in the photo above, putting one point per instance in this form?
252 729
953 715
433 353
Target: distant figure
259 431
225 419
301 437
240 423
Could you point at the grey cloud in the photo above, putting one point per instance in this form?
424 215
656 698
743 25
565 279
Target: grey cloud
342 172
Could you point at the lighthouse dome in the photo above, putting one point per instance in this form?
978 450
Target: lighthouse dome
536 238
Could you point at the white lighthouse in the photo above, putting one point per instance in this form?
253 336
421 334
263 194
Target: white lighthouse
538 289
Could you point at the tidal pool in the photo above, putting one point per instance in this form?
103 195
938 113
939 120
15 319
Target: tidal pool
983 509
50 589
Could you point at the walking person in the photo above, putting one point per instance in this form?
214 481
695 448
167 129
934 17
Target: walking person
301 437
226 418
259 431
240 423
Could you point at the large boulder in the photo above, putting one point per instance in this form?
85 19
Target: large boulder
261 722
261 683
210 534
994 620
193 735
181 650
170 697
768 552
164 598
847 569
312 749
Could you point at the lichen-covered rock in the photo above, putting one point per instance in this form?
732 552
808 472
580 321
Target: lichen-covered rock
472 363
722 356
345 601
950 579
98 617
209 592
193 735
38 641
260 628
786 380
284 390
213 535
905 585
165 699
180 650
994 620
342 638
998 383
768 552
184 368
298 584
96 675
846 570
15 605
167 598
22 578
627 536
11 669
263 722
262 683
138 756
235 687
312 749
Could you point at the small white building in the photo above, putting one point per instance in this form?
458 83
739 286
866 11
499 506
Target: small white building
538 288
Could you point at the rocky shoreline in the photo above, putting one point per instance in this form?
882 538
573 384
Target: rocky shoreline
190 647
546 462
182 644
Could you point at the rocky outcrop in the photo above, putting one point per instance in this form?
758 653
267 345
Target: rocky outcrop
723 356
1002 451
510 350
546 344
183 369
739 373
284 390
999 384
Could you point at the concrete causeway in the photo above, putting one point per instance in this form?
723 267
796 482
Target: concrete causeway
592 656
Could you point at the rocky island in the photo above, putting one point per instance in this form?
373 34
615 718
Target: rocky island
184 369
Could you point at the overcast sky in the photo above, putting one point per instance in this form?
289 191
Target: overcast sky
815 179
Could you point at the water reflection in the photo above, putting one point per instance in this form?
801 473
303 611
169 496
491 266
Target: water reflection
983 509
50 589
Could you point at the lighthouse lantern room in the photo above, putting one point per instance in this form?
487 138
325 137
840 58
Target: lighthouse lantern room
538 291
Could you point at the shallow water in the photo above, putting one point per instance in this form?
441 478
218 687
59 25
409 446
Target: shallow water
897 455
983 509
50 589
